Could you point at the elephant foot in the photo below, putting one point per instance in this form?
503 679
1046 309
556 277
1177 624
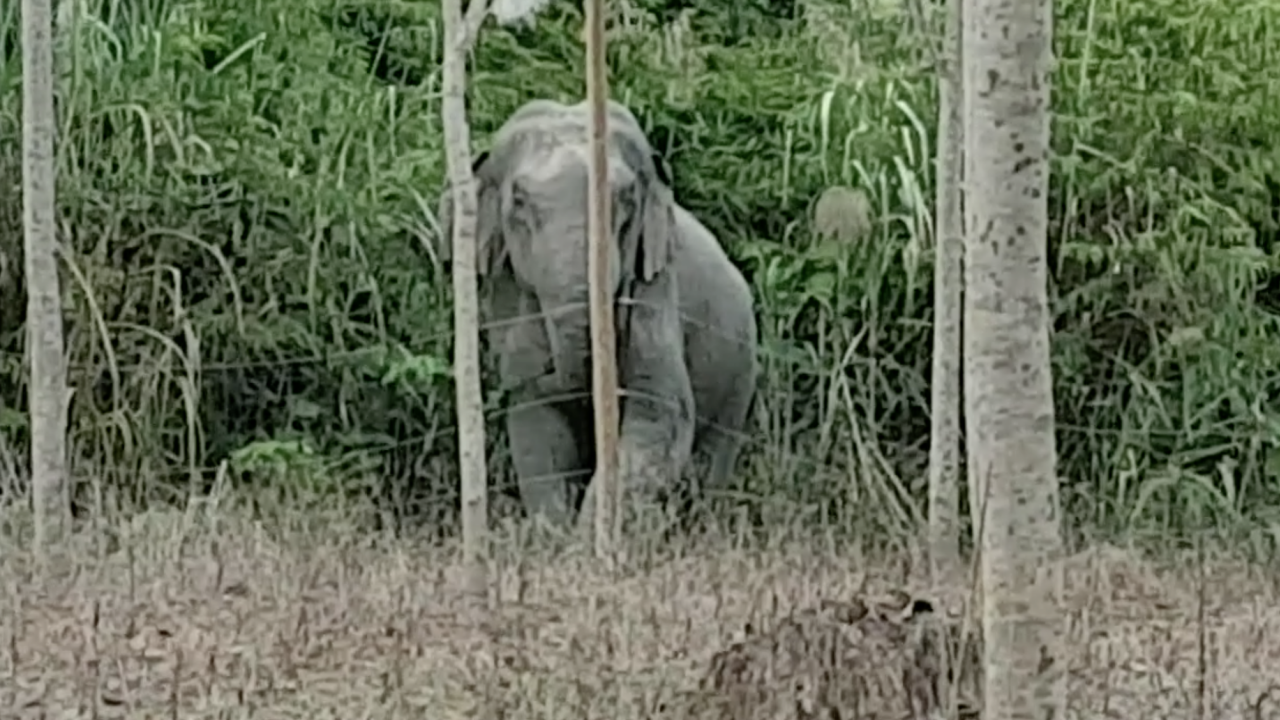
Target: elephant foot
643 516
643 477
644 473
539 540
546 503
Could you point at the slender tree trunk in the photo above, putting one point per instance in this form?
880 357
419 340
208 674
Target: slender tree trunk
47 389
466 308
948 278
604 367
1008 389
945 430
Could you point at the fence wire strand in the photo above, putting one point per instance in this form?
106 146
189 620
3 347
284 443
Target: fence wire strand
751 439
768 358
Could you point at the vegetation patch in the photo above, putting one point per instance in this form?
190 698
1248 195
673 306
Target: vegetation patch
247 196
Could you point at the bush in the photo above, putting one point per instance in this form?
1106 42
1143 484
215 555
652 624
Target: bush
243 190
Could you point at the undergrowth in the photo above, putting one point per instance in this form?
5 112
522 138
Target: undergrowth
246 193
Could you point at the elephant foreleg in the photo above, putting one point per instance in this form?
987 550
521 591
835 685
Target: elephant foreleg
656 437
655 443
547 458
723 438
656 433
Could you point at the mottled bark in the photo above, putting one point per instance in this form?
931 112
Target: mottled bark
1008 390
47 386
945 430
948 285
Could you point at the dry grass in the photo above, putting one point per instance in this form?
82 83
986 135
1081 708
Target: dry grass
210 615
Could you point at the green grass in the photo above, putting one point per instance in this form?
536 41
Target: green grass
242 191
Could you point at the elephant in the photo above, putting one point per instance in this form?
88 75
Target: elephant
684 314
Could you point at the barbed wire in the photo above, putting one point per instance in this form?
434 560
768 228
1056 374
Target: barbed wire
768 357
777 459
849 464
749 442
763 350
852 470
490 326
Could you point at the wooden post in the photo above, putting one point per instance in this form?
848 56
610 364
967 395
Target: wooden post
604 368
458 35
47 384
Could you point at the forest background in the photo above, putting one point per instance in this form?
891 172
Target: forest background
247 190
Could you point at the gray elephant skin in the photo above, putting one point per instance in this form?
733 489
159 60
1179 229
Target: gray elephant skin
687 335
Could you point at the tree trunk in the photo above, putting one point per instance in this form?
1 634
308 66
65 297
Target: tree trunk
604 365
47 387
1008 390
945 433
948 279
466 308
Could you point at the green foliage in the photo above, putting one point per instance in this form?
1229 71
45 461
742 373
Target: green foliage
248 189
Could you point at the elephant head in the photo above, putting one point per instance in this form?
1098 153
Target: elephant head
532 216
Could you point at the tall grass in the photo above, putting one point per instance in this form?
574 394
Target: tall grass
246 195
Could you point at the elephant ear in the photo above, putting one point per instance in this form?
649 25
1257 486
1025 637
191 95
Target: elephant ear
488 226
657 222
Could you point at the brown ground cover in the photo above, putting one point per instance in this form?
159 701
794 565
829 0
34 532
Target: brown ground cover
173 616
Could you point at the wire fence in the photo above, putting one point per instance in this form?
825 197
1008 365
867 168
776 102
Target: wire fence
768 355
776 444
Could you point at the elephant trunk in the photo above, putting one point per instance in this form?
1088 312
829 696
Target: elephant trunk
567 322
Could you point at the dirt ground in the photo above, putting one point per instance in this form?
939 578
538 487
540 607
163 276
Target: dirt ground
186 617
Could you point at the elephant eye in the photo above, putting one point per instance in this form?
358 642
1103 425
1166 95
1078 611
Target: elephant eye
623 209
519 197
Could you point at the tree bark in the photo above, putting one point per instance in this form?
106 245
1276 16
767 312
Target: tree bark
47 388
946 411
1008 390
458 35
948 287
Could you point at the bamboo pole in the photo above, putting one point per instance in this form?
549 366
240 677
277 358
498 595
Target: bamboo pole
604 368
